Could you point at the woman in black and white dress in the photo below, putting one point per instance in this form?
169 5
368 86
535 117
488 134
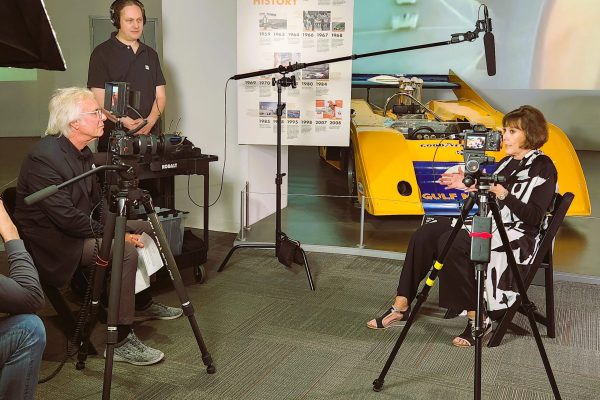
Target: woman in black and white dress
523 199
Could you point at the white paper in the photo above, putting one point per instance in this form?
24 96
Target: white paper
149 261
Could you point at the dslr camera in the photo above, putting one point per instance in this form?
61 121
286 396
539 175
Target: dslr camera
476 142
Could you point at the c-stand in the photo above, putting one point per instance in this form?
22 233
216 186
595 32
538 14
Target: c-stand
127 196
280 237
480 256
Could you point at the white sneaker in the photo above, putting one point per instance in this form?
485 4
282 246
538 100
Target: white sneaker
135 352
157 311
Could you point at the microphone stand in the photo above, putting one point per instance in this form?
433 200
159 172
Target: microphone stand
469 36
280 237
480 26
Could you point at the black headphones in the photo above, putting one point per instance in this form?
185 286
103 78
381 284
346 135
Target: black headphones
118 5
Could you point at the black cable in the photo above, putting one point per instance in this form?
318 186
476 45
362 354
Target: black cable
7 184
136 111
224 158
177 124
83 314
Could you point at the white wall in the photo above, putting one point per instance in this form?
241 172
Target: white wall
199 41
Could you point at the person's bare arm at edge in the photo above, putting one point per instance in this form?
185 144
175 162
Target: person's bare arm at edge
158 108
127 122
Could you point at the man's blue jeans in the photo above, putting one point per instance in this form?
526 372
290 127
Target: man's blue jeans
22 342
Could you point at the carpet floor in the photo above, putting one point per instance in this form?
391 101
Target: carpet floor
272 338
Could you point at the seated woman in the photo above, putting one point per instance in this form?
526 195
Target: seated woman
531 182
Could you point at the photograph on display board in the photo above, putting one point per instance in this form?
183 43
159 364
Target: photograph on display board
293 114
269 21
338 26
317 21
316 72
328 109
267 109
285 58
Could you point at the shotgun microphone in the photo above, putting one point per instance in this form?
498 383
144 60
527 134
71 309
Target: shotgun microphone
489 44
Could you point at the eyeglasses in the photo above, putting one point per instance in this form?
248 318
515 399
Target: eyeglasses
97 111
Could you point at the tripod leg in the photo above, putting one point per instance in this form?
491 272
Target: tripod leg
528 306
422 296
226 260
98 284
244 246
478 330
307 268
114 295
186 305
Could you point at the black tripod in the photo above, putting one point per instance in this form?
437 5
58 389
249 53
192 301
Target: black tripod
128 195
480 256
121 202
281 238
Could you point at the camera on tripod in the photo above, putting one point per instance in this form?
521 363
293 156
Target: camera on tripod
118 99
476 142
150 147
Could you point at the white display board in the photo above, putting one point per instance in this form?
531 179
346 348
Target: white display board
280 32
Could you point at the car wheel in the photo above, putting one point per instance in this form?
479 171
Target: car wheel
344 158
351 175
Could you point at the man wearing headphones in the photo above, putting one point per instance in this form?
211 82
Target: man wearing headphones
123 58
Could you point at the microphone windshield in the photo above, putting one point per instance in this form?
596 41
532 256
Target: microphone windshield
490 53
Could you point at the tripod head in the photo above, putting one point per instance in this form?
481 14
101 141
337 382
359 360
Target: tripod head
482 179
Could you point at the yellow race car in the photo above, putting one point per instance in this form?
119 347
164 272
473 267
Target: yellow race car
397 153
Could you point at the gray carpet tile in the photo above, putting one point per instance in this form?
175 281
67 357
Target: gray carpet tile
273 338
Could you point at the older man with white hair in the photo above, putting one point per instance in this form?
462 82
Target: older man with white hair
60 229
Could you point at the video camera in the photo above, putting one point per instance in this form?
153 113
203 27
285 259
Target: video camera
165 147
118 98
476 142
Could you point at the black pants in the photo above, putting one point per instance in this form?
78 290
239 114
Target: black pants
457 277
129 301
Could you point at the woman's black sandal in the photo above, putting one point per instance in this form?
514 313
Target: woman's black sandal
379 320
467 334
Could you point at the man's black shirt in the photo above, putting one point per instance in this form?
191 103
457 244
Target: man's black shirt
114 61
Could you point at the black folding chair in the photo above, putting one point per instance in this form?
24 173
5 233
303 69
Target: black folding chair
542 259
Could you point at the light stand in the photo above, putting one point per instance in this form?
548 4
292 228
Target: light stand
483 25
280 237
480 256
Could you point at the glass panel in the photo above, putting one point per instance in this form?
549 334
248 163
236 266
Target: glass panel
328 220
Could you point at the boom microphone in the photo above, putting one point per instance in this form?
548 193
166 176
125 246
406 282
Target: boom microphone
489 44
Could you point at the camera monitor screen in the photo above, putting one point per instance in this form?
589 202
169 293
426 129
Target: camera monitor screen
116 98
475 141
